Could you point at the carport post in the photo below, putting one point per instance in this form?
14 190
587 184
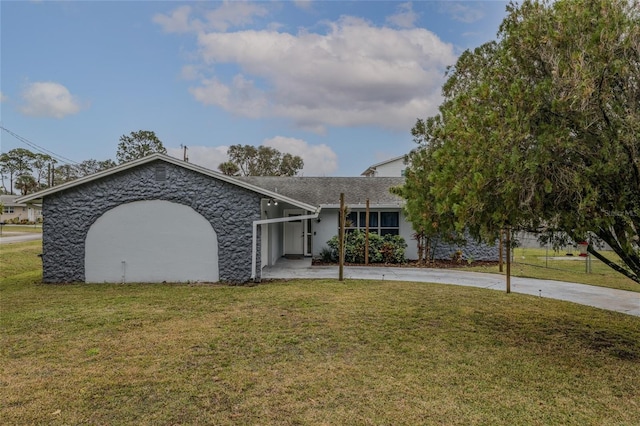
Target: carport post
508 249
341 250
366 236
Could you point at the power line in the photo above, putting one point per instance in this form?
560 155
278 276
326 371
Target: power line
42 150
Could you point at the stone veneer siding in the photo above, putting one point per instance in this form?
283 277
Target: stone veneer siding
69 214
470 251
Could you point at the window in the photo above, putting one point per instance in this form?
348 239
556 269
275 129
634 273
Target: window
382 223
7 209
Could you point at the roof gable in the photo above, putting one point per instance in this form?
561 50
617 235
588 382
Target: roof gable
37 196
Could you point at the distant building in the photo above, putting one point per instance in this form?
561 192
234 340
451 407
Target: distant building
13 211
390 168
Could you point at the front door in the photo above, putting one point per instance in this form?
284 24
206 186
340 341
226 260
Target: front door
294 236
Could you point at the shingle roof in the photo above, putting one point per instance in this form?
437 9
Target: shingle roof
325 191
9 200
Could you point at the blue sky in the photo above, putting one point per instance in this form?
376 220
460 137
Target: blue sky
339 83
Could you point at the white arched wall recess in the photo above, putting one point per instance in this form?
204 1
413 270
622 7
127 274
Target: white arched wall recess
151 241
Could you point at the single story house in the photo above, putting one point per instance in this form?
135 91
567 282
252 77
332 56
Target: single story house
159 218
13 211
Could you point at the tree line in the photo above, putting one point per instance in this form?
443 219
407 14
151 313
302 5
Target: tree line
28 172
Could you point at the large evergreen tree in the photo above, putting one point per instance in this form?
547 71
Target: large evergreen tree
541 129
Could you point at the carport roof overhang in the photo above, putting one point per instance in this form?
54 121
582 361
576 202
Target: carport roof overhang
36 197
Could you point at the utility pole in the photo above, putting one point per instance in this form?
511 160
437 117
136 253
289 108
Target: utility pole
184 153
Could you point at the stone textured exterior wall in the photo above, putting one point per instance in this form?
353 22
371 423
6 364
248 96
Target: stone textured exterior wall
69 214
471 251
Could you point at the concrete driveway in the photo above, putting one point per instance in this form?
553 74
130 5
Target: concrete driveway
627 302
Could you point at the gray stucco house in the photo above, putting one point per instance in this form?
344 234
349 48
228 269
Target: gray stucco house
162 219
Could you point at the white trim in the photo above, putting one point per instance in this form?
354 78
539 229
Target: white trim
153 157
362 206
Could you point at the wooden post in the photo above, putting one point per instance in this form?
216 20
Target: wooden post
341 237
500 250
366 236
508 259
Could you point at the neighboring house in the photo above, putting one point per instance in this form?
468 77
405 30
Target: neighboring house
13 211
161 219
390 168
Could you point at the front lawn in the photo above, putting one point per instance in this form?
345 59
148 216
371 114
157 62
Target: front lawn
307 352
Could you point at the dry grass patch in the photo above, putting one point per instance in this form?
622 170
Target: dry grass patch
311 352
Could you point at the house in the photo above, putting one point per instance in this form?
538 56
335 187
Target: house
162 219
390 168
13 211
309 237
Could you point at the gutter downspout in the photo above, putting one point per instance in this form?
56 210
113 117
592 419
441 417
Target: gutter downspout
254 244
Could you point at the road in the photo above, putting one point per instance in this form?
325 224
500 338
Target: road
19 237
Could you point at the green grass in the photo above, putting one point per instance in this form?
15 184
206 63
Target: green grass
532 263
307 352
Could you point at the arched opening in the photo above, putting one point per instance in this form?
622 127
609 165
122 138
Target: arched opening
151 241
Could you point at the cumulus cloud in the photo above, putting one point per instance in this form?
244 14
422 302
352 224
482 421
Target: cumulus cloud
353 74
319 160
405 17
228 14
49 99
205 156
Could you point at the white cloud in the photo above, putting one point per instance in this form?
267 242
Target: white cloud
354 74
229 14
3 97
49 99
205 156
319 160
405 17
177 21
463 12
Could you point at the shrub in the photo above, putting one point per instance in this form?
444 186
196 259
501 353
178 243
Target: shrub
328 255
387 249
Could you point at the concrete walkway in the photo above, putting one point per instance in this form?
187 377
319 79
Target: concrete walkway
626 302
